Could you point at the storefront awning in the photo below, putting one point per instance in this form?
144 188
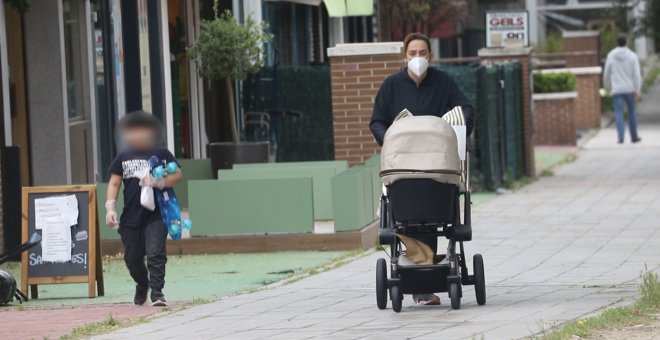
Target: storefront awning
347 8
339 8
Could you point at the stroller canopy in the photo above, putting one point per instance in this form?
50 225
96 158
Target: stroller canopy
420 147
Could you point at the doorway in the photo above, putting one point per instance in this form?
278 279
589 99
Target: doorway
187 94
176 23
79 92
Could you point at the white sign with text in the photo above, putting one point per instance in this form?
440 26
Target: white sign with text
56 241
507 29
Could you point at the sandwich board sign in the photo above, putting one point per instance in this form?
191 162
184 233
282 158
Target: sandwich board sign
507 29
69 251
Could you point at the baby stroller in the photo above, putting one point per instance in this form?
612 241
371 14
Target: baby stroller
424 180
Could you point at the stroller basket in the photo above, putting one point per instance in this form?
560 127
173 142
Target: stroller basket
421 279
423 201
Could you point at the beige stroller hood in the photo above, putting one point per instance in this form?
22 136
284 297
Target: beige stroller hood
420 147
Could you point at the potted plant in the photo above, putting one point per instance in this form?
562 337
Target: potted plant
225 51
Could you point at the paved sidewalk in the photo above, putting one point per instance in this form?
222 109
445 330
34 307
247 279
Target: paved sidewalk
559 249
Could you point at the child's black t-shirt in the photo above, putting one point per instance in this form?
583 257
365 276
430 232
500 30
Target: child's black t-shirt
131 165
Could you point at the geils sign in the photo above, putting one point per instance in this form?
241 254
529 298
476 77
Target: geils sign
507 29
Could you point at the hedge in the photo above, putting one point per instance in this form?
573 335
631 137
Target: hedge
554 82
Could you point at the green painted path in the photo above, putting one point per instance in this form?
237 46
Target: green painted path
206 277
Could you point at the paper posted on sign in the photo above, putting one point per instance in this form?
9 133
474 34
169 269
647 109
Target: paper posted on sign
56 240
64 208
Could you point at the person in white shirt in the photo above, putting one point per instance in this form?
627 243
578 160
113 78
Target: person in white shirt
623 79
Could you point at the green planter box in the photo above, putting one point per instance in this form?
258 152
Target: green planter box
352 198
339 166
193 169
251 206
321 182
377 185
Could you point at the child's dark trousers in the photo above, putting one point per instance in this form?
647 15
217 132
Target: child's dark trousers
150 241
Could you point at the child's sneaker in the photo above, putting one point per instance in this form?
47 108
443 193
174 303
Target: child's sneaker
158 298
140 295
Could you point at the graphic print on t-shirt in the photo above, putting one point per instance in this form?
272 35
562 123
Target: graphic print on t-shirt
135 168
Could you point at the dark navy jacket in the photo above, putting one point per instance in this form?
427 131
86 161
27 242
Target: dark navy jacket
435 95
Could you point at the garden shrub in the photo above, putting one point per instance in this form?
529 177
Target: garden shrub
554 82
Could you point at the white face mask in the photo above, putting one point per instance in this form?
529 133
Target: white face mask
418 65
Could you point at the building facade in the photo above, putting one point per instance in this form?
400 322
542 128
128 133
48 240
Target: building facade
69 69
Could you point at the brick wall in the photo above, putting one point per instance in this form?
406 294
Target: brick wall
586 42
587 105
357 70
523 56
555 122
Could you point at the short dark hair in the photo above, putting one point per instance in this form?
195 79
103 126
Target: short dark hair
140 119
622 40
416 36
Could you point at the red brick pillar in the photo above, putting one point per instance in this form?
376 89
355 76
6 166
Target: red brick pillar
357 70
584 43
524 57
588 102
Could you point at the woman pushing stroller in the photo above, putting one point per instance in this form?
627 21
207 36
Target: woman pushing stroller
422 91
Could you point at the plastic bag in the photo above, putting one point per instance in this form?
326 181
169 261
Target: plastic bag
147 196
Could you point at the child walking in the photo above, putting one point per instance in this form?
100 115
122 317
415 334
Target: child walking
142 231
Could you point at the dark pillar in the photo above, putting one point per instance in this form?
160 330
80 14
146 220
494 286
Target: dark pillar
156 54
132 83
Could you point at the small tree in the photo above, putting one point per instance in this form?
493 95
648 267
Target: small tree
228 50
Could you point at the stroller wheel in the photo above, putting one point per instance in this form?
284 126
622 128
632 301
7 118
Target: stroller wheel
397 298
455 295
381 284
479 279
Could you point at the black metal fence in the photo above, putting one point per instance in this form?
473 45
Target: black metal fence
299 103
300 106
497 144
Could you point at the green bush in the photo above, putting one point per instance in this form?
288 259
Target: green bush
554 82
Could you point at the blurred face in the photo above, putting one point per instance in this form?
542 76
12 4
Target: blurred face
417 48
139 137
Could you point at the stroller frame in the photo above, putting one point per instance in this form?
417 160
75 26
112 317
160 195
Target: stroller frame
443 275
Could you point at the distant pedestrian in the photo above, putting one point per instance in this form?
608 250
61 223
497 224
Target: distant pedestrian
623 78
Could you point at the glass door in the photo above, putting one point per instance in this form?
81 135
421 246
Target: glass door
78 91
178 26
